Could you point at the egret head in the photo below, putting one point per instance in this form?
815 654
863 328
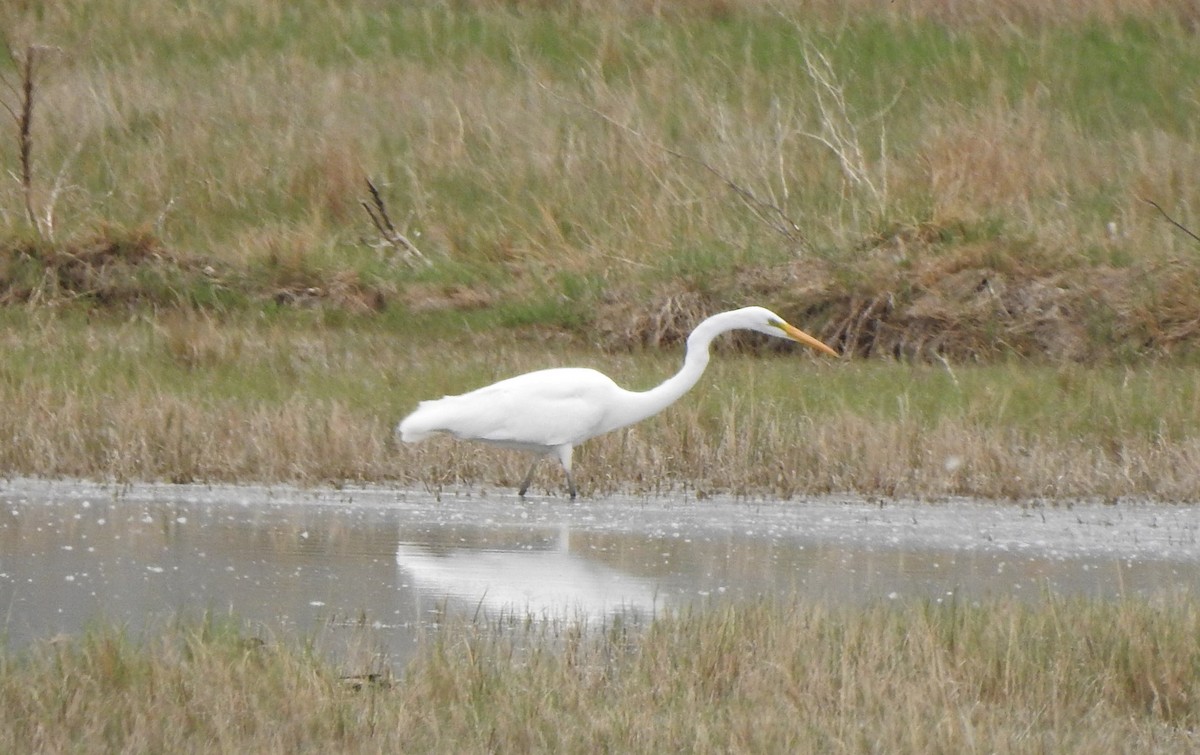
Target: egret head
765 321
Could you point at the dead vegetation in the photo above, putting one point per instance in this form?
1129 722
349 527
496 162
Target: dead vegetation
399 245
189 397
23 91
519 178
119 270
914 295
998 675
111 269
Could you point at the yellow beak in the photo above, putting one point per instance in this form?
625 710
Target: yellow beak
799 335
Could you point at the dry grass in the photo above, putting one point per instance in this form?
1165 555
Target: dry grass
598 176
1057 675
960 181
524 142
193 399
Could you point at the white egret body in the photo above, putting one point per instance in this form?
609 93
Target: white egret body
549 412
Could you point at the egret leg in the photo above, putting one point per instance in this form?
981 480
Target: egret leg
564 456
528 478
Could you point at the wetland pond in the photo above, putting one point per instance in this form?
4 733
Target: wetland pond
321 561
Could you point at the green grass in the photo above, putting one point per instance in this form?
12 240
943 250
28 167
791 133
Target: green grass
245 128
195 397
587 181
999 676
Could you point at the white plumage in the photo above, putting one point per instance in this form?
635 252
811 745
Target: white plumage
552 411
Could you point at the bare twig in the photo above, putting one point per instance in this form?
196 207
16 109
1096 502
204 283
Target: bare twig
838 131
22 114
769 213
377 210
161 221
25 129
1170 219
57 189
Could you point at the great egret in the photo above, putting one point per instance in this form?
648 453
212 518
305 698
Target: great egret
552 411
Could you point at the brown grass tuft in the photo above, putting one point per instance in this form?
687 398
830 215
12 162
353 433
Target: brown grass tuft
113 268
921 298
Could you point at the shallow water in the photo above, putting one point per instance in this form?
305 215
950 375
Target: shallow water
311 561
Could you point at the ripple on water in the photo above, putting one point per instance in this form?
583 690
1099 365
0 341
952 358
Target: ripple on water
72 553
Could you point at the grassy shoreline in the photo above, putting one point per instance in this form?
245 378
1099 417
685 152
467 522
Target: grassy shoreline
188 399
1001 676
191 290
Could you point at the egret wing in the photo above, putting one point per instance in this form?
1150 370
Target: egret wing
544 409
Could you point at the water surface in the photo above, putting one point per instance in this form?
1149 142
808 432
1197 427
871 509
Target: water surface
305 560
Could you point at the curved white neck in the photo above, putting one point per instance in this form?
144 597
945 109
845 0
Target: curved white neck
644 404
